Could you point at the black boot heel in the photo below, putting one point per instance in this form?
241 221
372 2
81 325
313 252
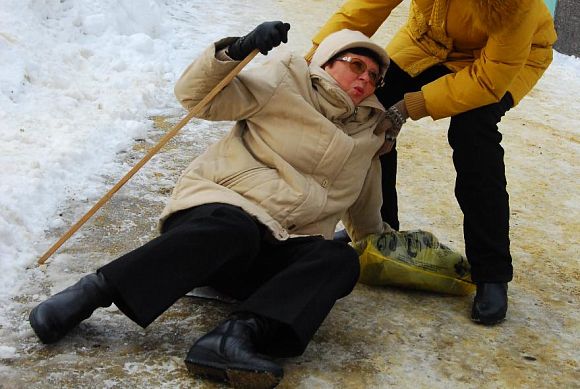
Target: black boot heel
228 354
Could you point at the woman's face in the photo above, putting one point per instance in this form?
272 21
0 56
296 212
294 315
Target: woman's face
357 86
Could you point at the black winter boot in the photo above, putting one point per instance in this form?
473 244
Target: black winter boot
228 353
490 303
55 317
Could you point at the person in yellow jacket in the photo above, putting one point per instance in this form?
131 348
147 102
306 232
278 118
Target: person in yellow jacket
472 61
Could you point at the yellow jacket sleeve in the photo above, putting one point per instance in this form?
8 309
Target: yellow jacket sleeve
509 60
365 16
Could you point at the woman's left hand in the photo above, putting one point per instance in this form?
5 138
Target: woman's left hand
391 125
387 128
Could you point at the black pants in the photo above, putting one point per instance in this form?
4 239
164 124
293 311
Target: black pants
480 186
294 283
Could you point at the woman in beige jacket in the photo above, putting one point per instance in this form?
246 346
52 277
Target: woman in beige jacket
254 215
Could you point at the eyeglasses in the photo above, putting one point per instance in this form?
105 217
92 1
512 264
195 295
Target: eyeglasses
359 67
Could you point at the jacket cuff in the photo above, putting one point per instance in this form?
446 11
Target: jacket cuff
415 103
224 43
222 55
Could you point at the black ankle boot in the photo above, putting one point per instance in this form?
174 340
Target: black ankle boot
228 353
490 303
55 317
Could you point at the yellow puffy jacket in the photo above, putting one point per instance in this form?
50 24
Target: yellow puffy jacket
491 47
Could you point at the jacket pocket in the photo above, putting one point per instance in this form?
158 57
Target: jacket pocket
265 187
309 208
295 201
239 177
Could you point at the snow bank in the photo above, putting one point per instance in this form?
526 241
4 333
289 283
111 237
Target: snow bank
78 82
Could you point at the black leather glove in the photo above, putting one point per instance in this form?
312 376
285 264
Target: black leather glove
264 38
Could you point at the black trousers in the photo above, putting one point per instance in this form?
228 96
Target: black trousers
480 186
294 283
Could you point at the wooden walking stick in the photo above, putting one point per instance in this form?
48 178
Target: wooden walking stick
194 111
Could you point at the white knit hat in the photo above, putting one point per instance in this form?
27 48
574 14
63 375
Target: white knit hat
348 39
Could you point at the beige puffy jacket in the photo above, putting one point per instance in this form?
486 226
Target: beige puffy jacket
300 156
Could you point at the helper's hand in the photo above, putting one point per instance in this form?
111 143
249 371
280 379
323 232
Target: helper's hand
264 38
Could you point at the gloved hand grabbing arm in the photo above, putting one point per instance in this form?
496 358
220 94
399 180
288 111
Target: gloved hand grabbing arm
395 117
264 38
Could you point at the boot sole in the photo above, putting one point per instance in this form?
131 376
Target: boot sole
488 322
238 378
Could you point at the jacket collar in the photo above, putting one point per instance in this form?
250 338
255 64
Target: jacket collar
340 101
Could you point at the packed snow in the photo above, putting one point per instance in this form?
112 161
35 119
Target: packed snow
79 85
80 81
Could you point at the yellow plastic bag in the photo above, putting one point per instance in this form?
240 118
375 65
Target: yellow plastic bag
413 259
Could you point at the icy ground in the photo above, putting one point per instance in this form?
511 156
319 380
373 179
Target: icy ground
86 87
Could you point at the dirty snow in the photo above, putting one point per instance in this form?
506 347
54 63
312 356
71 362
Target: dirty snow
79 83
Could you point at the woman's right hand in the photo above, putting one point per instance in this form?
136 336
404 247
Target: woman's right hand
264 38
